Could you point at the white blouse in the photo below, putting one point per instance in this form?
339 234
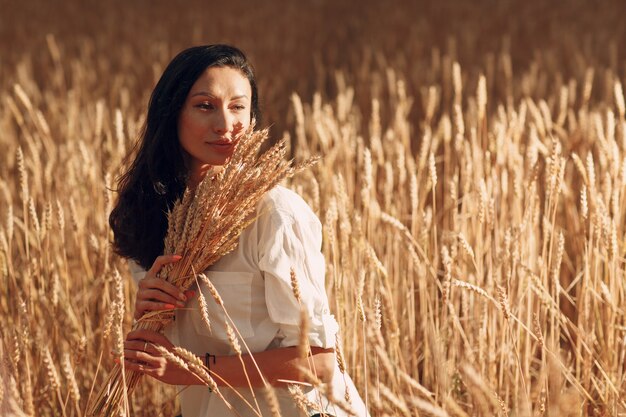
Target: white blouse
254 282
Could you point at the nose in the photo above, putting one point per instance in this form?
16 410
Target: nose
223 122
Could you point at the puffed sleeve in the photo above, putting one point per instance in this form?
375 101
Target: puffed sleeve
288 241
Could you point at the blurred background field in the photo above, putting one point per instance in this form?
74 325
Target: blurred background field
472 190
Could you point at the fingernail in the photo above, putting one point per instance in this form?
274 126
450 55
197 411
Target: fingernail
170 306
182 296
177 257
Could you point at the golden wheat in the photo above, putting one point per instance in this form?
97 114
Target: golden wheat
472 192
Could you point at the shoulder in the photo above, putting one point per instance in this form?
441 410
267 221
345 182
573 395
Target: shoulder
288 230
283 205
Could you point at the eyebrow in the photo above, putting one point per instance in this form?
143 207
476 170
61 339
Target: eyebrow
204 93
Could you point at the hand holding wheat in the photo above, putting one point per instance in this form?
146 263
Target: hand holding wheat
155 293
203 226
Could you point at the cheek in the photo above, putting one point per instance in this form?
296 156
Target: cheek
244 121
186 134
189 128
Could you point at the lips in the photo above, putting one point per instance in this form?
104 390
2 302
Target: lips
223 142
222 145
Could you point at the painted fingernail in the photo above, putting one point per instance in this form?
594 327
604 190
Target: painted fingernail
170 306
180 304
182 296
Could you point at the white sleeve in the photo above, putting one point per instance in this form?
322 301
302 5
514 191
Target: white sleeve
286 243
136 271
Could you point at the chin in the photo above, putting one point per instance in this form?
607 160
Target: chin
218 161
210 158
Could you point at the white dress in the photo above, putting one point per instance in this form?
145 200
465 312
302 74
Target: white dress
255 283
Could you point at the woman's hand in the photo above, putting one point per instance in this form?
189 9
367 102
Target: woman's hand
141 355
155 294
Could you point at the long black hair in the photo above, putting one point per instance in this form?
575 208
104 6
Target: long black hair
157 176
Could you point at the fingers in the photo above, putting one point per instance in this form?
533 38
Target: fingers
161 261
142 307
139 356
155 370
158 295
149 368
153 306
156 284
132 366
140 346
143 335
157 300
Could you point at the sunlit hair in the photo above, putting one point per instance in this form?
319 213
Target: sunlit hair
157 175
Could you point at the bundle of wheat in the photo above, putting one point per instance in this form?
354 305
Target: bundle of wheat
204 225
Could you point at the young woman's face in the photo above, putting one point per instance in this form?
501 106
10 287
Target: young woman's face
214 115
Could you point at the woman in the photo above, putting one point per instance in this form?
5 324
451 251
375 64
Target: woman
206 98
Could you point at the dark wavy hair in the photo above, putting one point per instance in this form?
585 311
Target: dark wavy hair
157 175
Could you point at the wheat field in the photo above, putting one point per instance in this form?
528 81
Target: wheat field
472 189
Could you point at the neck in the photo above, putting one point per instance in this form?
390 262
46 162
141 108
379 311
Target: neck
196 174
